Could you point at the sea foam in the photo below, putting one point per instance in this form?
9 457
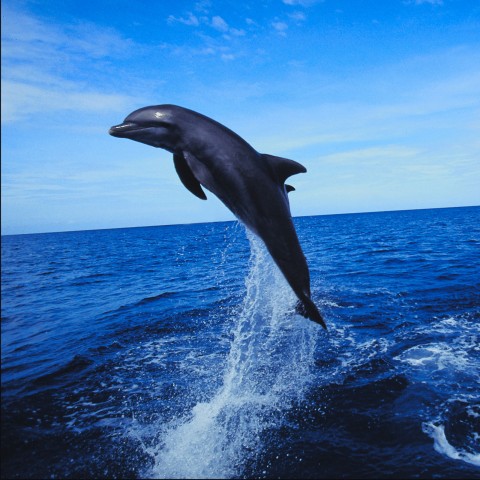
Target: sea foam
442 445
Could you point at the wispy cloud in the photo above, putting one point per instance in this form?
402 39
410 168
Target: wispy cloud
23 101
303 3
40 61
215 22
214 36
431 2
280 27
82 181
190 19
373 155
25 36
297 17
218 23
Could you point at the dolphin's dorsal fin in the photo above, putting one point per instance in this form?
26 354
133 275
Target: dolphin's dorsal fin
187 177
289 188
283 167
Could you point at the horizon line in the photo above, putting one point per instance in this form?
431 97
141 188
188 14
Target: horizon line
231 221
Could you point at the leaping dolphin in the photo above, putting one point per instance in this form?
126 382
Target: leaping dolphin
250 184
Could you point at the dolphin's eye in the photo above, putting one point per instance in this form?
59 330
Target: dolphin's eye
156 124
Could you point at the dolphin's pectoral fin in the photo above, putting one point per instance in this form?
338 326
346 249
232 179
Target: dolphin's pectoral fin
283 167
187 177
289 188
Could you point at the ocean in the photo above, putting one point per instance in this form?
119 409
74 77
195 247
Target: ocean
175 352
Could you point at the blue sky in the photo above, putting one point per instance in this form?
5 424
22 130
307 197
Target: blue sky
378 99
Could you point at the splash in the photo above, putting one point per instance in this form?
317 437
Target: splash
442 445
267 370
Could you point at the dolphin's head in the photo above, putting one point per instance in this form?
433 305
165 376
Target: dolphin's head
154 126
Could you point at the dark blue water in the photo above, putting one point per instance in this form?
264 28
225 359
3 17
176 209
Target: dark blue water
175 352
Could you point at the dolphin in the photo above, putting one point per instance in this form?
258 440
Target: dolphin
249 183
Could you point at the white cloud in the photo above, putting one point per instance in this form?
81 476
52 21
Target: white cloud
190 20
23 101
203 6
237 32
431 2
25 37
98 42
218 23
280 27
44 63
216 36
298 17
302 3
375 155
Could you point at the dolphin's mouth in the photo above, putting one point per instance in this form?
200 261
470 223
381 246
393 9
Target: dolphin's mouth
123 128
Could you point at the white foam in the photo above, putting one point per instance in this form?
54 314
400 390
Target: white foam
474 411
442 446
268 368
435 356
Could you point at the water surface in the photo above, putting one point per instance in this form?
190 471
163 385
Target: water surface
175 351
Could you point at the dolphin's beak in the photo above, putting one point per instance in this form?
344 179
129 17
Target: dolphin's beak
122 129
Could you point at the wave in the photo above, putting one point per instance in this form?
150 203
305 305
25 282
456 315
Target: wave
155 298
444 447
87 279
73 367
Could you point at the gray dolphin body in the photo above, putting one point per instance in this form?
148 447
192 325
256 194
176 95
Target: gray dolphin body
250 184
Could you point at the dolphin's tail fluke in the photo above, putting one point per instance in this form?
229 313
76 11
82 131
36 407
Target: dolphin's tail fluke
308 309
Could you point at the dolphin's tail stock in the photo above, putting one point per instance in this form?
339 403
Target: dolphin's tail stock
308 309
